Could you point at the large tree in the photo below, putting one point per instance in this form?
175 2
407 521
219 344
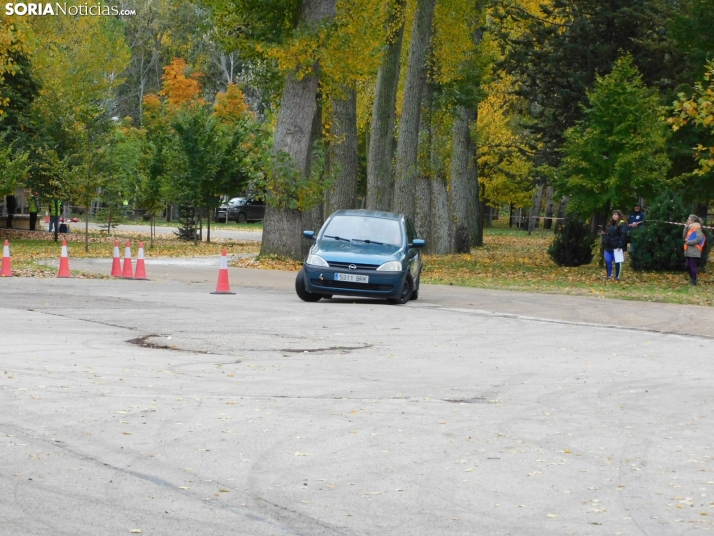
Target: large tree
19 85
405 173
283 223
557 51
380 178
618 153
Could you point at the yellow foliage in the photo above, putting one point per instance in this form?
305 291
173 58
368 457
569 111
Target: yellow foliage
503 167
230 105
454 21
178 88
353 49
79 61
12 41
699 109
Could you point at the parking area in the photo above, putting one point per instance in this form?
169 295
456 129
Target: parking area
156 406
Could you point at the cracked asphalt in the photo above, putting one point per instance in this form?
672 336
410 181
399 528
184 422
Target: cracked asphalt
158 407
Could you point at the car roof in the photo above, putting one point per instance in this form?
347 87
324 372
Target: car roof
369 214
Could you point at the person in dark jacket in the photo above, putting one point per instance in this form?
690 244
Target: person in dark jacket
11 206
637 217
614 238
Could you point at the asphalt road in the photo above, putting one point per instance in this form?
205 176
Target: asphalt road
215 232
157 406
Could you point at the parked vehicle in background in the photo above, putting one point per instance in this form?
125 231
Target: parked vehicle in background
220 215
246 209
362 253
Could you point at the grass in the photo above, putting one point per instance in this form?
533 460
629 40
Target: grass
29 249
510 260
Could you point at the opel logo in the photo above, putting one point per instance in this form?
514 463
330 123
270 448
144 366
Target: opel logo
352 266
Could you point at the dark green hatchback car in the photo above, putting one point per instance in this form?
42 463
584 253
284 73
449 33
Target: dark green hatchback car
362 253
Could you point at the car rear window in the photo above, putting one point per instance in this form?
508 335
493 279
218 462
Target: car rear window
361 228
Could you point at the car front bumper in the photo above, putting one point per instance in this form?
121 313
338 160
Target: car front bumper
319 280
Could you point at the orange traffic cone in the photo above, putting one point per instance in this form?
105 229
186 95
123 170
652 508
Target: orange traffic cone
47 217
140 272
116 262
64 262
223 287
128 272
6 262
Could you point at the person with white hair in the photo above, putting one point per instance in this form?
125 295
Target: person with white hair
694 242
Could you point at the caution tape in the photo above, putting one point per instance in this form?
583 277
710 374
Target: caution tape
676 223
526 218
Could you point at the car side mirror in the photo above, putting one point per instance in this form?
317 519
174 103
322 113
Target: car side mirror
418 243
310 235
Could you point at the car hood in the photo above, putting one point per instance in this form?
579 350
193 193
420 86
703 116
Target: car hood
358 253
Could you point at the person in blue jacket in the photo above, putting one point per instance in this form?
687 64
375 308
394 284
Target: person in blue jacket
637 217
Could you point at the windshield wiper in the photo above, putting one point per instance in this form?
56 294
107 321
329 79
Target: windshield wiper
367 241
337 238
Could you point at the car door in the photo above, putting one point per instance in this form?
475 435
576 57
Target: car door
250 210
256 210
413 253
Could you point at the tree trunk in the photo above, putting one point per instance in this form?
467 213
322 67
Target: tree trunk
488 215
475 209
562 209
405 173
534 215
86 225
483 209
282 226
343 153
463 179
313 218
440 217
208 227
281 230
422 217
380 177
548 222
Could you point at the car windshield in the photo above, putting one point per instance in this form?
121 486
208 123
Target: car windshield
237 201
364 229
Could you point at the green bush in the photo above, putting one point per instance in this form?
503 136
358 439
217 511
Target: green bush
187 223
108 218
657 245
573 244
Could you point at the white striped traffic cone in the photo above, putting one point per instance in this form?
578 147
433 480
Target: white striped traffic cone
223 287
128 273
116 261
64 262
140 272
6 261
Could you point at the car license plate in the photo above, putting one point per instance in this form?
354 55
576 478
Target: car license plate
352 278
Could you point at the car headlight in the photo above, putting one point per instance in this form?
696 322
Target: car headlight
316 260
391 266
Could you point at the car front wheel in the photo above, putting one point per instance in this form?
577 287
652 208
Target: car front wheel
415 293
407 290
303 294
